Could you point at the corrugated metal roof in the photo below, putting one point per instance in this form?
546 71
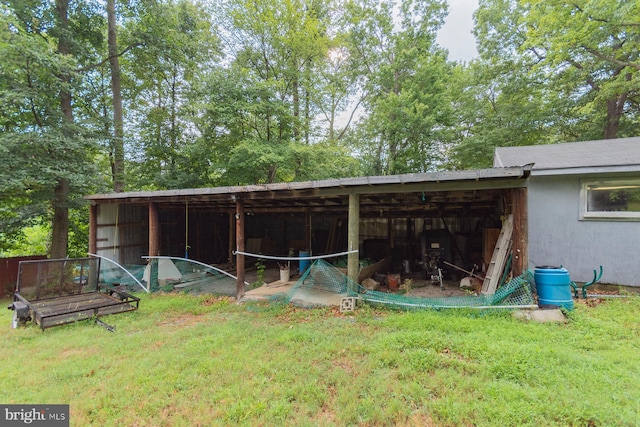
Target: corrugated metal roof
609 153
368 184
408 194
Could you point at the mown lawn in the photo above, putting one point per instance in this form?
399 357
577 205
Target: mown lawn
187 361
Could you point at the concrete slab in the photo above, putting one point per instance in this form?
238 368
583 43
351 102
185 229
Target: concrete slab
541 316
316 298
304 297
266 291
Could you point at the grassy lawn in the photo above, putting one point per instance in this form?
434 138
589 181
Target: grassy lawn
187 361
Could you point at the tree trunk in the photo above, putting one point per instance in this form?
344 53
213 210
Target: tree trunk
118 144
60 227
296 109
615 109
60 204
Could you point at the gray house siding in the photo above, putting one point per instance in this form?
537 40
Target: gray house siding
557 236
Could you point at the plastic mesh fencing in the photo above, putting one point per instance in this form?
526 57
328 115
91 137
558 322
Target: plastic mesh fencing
323 284
114 275
193 277
197 279
516 292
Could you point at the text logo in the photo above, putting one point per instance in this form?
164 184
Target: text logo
34 415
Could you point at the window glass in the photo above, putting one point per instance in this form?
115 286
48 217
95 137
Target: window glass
613 198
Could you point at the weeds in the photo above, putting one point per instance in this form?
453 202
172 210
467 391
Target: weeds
260 269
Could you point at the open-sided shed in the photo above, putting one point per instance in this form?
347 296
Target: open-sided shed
457 212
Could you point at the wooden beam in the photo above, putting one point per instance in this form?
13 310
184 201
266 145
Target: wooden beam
390 235
240 248
489 184
353 259
93 229
307 229
154 230
520 231
232 236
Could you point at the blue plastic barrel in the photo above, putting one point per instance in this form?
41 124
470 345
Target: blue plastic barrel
553 285
304 263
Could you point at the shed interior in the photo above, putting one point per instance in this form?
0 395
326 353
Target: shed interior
413 228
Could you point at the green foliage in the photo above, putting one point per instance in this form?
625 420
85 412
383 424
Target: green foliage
245 92
260 268
405 86
42 146
590 53
173 48
549 71
33 240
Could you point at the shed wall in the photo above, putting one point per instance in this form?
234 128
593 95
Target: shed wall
558 237
122 232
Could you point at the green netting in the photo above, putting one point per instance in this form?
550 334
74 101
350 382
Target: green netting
323 284
517 292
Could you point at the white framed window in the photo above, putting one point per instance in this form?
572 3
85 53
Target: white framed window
610 199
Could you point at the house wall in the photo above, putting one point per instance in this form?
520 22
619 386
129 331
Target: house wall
558 237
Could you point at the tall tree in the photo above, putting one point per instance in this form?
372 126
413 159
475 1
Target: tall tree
278 49
405 83
592 49
45 153
60 227
549 71
117 152
281 44
175 48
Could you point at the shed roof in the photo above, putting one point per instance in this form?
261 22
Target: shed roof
392 192
609 155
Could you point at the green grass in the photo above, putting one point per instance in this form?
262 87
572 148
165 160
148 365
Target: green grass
187 361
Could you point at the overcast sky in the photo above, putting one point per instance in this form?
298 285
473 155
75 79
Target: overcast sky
455 35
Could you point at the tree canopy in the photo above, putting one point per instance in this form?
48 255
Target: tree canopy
129 95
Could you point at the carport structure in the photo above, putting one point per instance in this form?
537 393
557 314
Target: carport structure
212 224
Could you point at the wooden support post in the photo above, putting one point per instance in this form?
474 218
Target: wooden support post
390 228
353 259
520 231
232 236
154 230
93 229
121 244
240 248
410 236
308 231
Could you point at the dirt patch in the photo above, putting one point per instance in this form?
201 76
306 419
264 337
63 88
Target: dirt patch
212 299
183 321
424 289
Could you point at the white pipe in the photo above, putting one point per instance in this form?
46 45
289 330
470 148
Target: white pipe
195 262
124 269
531 306
284 258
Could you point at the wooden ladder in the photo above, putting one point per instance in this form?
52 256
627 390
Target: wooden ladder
499 257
